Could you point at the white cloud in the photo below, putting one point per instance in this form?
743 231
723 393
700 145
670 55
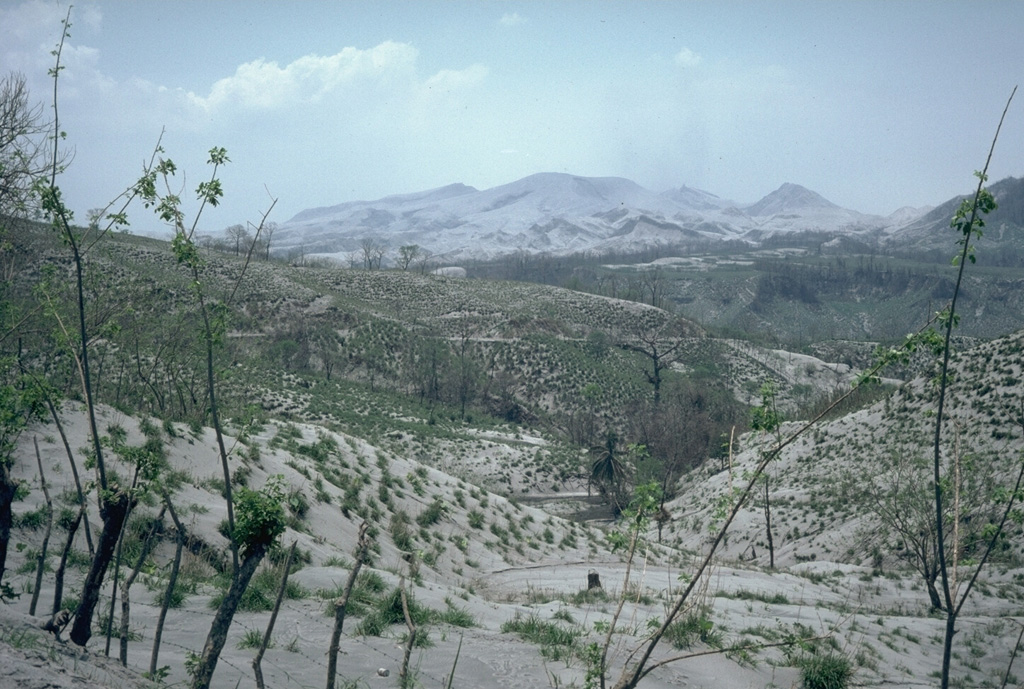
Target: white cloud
261 85
512 19
453 79
687 58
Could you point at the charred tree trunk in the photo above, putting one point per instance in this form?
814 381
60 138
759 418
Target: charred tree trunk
58 578
225 614
8 486
114 512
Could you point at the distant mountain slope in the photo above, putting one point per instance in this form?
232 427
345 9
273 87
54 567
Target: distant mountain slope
1003 225
790 198
559 213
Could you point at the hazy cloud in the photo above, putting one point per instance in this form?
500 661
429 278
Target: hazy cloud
687 58
454 79
512 19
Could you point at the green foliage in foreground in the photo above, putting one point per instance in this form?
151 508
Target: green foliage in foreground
260 515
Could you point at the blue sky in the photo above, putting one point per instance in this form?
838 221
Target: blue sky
873 105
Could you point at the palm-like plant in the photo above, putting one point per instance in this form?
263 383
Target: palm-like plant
609 473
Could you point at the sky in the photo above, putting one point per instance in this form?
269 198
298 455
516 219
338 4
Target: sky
874 105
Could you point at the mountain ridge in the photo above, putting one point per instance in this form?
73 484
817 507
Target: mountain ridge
560 213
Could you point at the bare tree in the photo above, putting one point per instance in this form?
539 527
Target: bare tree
237 235
172 581
341 604
662 345
269 228
257 662
424 261
373 252
24 152
653 286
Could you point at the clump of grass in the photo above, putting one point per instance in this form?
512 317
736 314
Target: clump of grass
694 626
387 611
828 671
556 642
253 638
746 594
365 592
261 593
432 514
455 616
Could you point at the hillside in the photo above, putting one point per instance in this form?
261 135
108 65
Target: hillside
461 419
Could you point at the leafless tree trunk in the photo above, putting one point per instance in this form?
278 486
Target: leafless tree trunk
256 667
768 522
74 470
58 579
404 681
341 604
41 559
172 581
147 546
222 620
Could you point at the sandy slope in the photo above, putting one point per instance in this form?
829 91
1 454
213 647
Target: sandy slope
881 622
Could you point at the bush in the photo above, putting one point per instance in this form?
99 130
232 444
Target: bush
693 627
259 517
829 671
388 611
432 514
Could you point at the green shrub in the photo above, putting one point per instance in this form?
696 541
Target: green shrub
695 626
259 515
432 514
388 611
829 671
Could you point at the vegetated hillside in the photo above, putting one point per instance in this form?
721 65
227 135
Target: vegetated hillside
380 353
805 291
427 406
844 490
1002 229
500 587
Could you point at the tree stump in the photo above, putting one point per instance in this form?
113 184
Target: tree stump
593 580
